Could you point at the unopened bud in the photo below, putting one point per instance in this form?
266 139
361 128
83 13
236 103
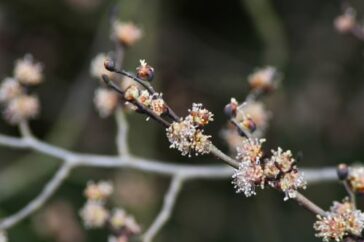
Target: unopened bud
342 171
145 71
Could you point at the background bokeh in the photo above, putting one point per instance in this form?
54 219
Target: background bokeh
202 52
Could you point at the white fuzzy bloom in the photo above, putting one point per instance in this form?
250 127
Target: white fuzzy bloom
97 68
126 33
22 108
99 191
9 89
28 72
94 214
247 177
291 182
106 101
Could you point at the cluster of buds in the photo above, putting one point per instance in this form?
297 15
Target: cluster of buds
187 134
346 22
96 215
3 236
342 220
355 179
126 34
264 79
279 171
18 103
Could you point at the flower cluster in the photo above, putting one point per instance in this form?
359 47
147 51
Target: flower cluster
126 34
264 79
278 171
187 134
106 101
356 179
96 215
19 105
342 219
345 22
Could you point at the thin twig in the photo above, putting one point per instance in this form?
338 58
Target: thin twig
50 188
165 213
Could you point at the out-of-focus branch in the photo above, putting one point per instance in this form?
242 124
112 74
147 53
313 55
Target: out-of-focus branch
72 159
122 132
165 213
50 188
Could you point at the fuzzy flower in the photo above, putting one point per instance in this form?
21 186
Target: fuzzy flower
250 150
341 220
106 101
131 93
22 108
118 218
291 182
98 191
271 170
283 160
94 214
3 236
247 177
264 79
97 67
200 116
330 227
126 33
345 22
356 179
185 137
28 72
9 89
158 106
145 98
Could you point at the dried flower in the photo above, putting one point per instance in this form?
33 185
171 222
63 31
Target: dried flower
9 89
98 191
185 137
330 227
28 72
106 101
290 182
283 160
94 214
345 22
158 106
247 177
145 71
126 33
200 116
250 150
264 79
3 236
356 179
97 67
22 108
131 93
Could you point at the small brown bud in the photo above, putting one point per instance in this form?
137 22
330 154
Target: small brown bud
342 171
145 71
231 108
249 124
109 64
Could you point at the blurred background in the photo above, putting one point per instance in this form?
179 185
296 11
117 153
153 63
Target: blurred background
202 52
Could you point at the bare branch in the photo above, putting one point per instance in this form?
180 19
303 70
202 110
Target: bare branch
50 188
165 213
122 135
